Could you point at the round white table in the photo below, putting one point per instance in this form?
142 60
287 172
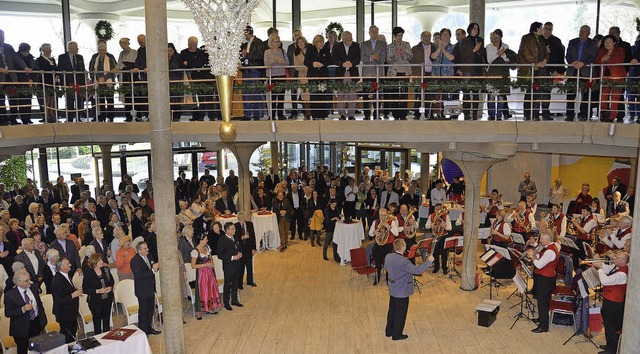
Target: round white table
267 232
225 219
348 236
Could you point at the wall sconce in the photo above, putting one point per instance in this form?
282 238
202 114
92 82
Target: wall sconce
535 146
612 129
453 145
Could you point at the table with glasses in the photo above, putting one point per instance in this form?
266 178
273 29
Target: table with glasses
267 232
348 236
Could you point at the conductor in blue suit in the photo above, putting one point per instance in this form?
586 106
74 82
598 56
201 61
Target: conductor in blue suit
401 273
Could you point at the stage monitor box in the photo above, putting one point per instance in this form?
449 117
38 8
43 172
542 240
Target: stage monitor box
46 342
487 312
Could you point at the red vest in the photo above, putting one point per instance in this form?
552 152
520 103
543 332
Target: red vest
620 235
521 228
557 223
549 270
583 222
400 226
616 293
500 229
443 217
391 237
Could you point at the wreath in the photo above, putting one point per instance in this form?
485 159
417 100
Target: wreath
334 26
104 30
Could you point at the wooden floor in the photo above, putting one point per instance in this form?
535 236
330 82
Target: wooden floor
304 304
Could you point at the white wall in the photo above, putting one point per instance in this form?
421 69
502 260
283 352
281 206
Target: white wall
507 175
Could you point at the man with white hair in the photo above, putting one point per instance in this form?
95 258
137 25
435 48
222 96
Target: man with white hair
101 68
32 260
73 64
126 62
24 308
617 207
67 248
50 269
196 58
544 277
616 239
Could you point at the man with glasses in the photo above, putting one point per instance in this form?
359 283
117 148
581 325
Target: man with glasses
26 314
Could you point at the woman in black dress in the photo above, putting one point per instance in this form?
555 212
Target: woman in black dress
98 285
317 61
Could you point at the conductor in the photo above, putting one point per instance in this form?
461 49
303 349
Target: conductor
401 272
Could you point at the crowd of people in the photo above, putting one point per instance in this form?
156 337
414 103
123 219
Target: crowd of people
380 72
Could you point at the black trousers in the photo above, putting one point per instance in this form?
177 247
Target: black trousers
544 288
440 254
329 241
297 223
246 262
69 329
379 253
612 314
101 312
230 290
368 103
398 98
22 343
396 316
145 313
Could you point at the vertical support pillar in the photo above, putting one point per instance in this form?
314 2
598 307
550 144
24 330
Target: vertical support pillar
425 176
373 13
162 155
296 15
274 13
360 5
275 157
194 164
222 163
107 169
333 158
394 15
66 22
633 173
630 336
243 152
43 167
476 14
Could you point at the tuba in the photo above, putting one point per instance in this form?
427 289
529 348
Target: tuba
410 226
382 231
438 228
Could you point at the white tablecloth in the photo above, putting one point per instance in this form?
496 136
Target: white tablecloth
423 212
137 344
454 213
347 237
266 227
233 219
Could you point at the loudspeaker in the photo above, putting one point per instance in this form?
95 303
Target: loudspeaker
47 341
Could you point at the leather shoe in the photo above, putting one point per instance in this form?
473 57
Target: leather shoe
387 335
154 332
603 346
228 307
539 330
237 304
402 337
252 284
535 320
240 287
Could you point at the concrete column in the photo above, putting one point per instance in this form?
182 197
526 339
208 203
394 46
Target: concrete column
296 15
394 15
476 14
473 167
275 157
243 152
222 163
630 336
66 21
162 156
633 172
43 167
360 30
425 177
107 169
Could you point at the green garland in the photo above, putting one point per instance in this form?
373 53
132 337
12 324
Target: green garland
432 85
104 30
334 26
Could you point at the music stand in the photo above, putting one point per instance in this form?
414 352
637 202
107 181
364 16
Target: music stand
491 257
412 255
521 288
450 244
579 301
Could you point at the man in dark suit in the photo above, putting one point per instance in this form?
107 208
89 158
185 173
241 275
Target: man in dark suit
140 77
401 273
422 56
254 57
67 248
261 199
24 309
144 286
615 186
60 190
100 244
346 55
556 56
270 182
73 63
32 259
630 198
66 300
246 237
9 60
581 52
372 52
232 182
7 255
122 216
77 189
229 253
617 206
225 202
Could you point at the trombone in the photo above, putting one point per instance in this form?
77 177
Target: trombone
596 260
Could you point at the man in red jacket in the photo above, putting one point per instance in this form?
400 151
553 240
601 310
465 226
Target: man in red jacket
614 279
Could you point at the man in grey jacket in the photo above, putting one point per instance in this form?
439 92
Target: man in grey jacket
372 52
401 272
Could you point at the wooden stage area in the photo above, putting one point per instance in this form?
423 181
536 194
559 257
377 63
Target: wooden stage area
304 304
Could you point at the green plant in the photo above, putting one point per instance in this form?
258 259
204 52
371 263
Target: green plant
14 170
104 30
264 160
334 26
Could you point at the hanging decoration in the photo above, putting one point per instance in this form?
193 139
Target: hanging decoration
334 26
104 30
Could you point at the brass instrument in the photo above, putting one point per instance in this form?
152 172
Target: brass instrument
571 228
596 260
438 228
382 231
410 226
519 219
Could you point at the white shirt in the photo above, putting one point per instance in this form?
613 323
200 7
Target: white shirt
33 259
618 278
393 229
32 298
295 199
350 197
546 258
492 53
447 224
438 196
613 241
53 268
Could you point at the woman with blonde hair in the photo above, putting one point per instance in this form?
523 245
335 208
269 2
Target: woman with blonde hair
276 59
123 258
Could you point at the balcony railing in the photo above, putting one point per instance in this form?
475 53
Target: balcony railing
81 96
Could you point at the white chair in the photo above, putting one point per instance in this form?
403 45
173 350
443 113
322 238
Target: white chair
116 279
191 273
124 293
47 303
43 288
158 292
193 298
217 268
86 315
7 341
77 280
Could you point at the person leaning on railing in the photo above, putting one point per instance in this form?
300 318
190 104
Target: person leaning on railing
47 63
317 60
611 75
444 58
533 52
581 53
398 57
101 68
472 52
276 60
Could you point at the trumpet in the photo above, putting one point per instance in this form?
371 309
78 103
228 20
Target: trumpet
595 260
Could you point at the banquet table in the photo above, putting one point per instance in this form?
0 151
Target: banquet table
267 232
347 236
136 343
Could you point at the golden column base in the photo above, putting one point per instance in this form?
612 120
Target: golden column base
227 130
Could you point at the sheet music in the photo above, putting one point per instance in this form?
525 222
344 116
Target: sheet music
520 283
583 291
503 251
591 277
517 238
566 241
487 255
457 239
483 233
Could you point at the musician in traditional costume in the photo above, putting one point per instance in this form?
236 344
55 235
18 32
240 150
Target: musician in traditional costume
385 231
500 233
614 280
407 226
616 239
521 220
558 220
440 224
494 204
544 277
584 227
531 204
